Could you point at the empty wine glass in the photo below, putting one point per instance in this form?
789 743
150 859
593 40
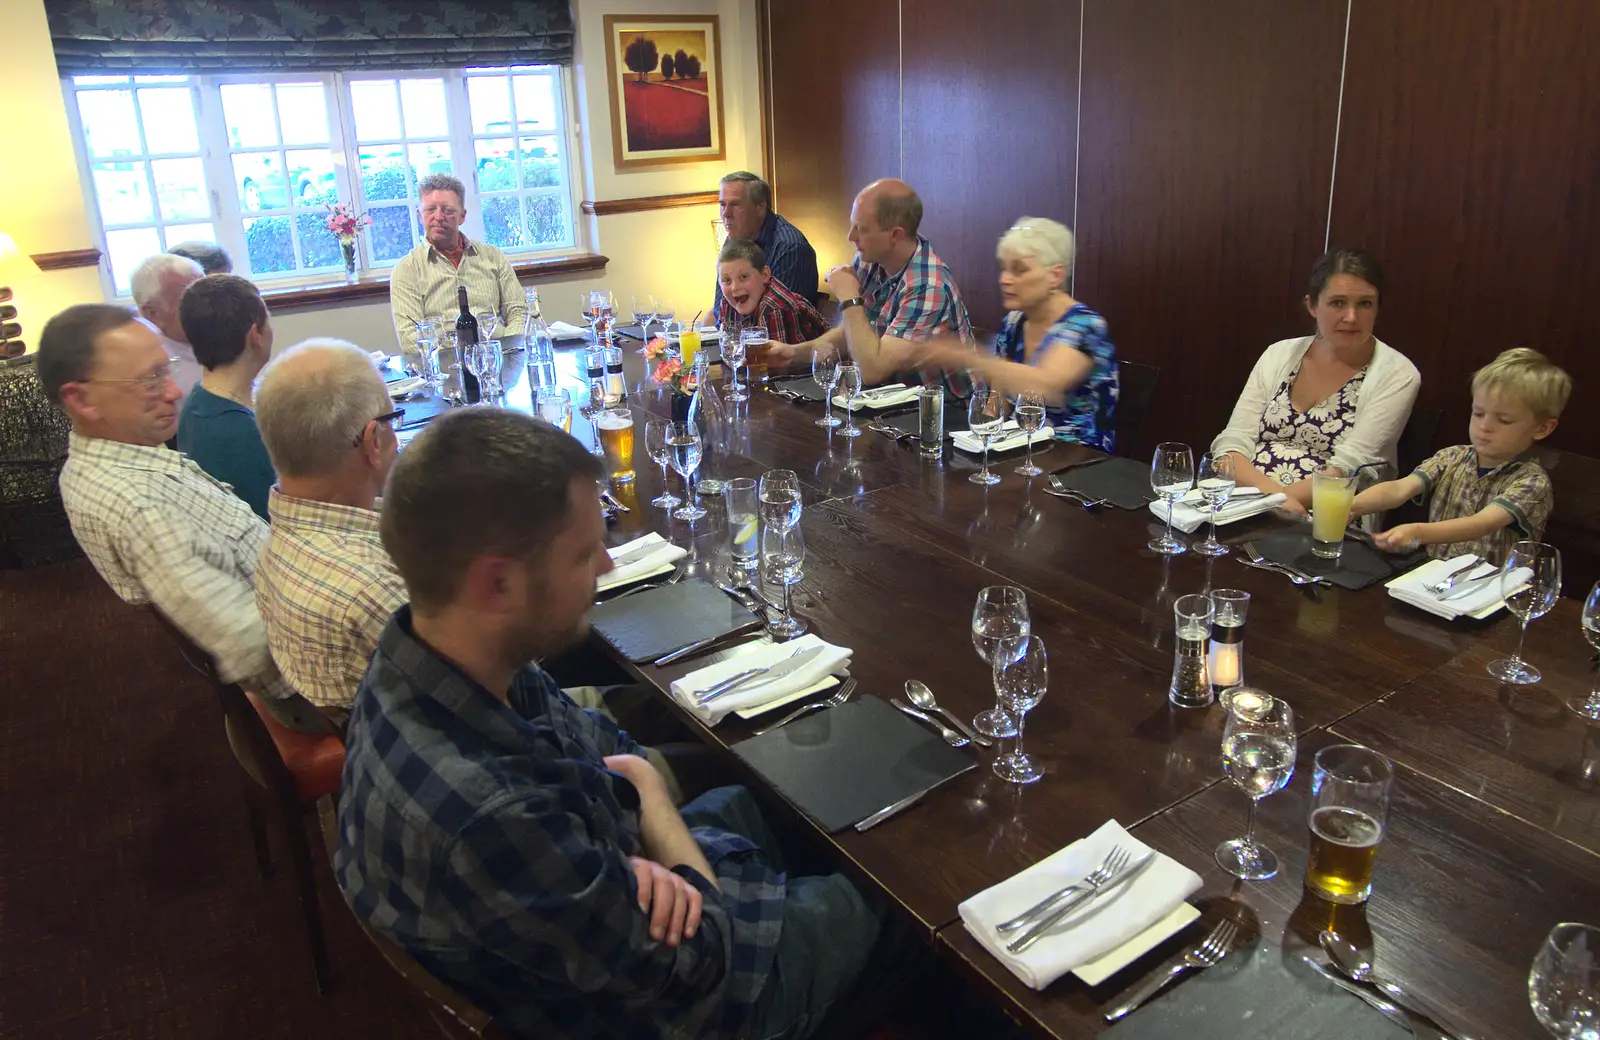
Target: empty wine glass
1258 752
825 370
986 416
1020 684
783 555
1171 476
1030 413
488 326
1215 481
1000 628
849 387
1564 983
608 309
591 409
554 407
656 435
1540 563
644 312
666 311
733 357
1589 707
683 443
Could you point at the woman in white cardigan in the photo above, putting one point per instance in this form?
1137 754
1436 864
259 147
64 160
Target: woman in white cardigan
1339 397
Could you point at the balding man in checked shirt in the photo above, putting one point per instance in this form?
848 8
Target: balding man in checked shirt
154 524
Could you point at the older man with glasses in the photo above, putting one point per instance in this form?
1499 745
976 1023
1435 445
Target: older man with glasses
153 523
158 285
423 285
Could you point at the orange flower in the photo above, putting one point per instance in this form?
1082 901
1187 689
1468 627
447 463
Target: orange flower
656 348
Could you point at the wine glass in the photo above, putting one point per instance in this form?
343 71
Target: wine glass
1171 475
986 415
850 386
1542 563
733 357
779 498
783 554
666 312
1590 708
1020 683
554 407
608 309
591 410
1000 630
1258 751
657 432
825 370
683 443
472 358
488 326
1215 481
1030 419
428 354
488 371
644 313
1564 983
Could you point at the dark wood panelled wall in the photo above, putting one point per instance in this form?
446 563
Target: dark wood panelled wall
1204 153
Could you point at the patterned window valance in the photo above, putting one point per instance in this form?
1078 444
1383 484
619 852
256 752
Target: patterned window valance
214 36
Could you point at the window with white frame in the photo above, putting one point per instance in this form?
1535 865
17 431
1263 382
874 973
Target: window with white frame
252 162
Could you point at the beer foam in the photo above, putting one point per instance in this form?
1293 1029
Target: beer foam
609 421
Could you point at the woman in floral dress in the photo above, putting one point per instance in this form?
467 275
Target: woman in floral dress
1339 397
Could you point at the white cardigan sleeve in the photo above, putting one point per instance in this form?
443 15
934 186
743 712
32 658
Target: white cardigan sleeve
1244 426
1382 410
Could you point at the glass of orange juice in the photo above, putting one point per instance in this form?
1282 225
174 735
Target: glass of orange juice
1331 494
688 343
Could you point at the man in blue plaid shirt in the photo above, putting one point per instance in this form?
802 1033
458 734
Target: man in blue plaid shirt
896 291
520 847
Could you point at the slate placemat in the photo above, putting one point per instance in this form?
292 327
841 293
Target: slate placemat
1360 564
805 386
843 764
649 624
955 418
1125 483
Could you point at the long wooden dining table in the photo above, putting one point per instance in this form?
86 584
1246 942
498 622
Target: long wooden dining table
1494 833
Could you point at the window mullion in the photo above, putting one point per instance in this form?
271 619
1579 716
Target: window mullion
460 115
218 163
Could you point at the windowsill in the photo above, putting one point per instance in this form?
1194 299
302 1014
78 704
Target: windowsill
343 292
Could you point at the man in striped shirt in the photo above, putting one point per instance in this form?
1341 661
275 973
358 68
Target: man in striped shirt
753 298
423 285
745 202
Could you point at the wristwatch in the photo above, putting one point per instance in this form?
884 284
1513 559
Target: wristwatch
854 301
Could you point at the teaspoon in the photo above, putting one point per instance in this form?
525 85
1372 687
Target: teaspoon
918 693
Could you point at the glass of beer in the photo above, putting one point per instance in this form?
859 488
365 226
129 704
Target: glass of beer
1331 495
1350 790
756 344
616 441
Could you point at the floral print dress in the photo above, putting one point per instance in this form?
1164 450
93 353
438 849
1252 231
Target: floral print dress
1291 444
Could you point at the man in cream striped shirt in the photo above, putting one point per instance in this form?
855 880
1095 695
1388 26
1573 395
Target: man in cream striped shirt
424 282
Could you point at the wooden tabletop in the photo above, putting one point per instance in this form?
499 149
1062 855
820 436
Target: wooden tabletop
1495 835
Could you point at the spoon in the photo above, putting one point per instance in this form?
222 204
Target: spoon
1356 964
918 693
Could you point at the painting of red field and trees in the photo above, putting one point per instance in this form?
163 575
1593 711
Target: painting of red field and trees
666 89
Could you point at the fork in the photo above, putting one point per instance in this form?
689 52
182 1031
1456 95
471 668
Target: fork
677 576
1299 577
1042 925
1209 952
1058 488
1115 860
839 696
1446 583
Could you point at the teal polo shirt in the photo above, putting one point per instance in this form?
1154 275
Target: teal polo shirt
222 438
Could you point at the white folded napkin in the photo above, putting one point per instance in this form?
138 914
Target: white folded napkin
1192 511
887 396
662 558
1011 436
1090 930
834 660
562 330
1481 595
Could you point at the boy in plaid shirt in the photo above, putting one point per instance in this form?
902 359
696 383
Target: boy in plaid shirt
752 298
1483 496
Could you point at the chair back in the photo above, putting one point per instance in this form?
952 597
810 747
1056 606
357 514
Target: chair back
1136 387
1417 438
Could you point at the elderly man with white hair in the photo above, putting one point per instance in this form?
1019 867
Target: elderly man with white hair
158 284
325 585
1050 344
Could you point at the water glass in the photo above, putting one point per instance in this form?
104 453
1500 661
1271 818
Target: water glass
850 386
930 421
1191 675
1589 707
733 348
1564 983
1215 481
778 499
1350 790
1171 476
783 554
554 407
1000 629
986 416
428 355
656 432
1258 752
683 444
615 425
741 496
1541 563
1030 415
1225 661
825 370
1020 683
1332 491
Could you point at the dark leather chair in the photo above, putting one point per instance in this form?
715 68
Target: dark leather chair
286 770
1136 387
1416 440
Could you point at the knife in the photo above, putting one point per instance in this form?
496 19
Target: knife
777 671
1469 584
888 811
690 649
1081 465
1056 916
633 556
882 391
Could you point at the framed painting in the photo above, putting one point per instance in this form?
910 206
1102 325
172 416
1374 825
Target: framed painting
665 75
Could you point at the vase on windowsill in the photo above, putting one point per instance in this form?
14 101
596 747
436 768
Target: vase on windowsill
348 245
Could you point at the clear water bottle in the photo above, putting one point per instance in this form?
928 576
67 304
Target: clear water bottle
541 349
708 414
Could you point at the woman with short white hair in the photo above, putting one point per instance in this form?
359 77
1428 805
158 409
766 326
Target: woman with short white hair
1050 344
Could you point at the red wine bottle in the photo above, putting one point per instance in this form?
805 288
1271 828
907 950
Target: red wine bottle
466 339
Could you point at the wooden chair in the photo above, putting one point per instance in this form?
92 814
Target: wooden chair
1136 387
288 770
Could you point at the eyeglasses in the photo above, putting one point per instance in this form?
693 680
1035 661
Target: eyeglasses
387 418
150 384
